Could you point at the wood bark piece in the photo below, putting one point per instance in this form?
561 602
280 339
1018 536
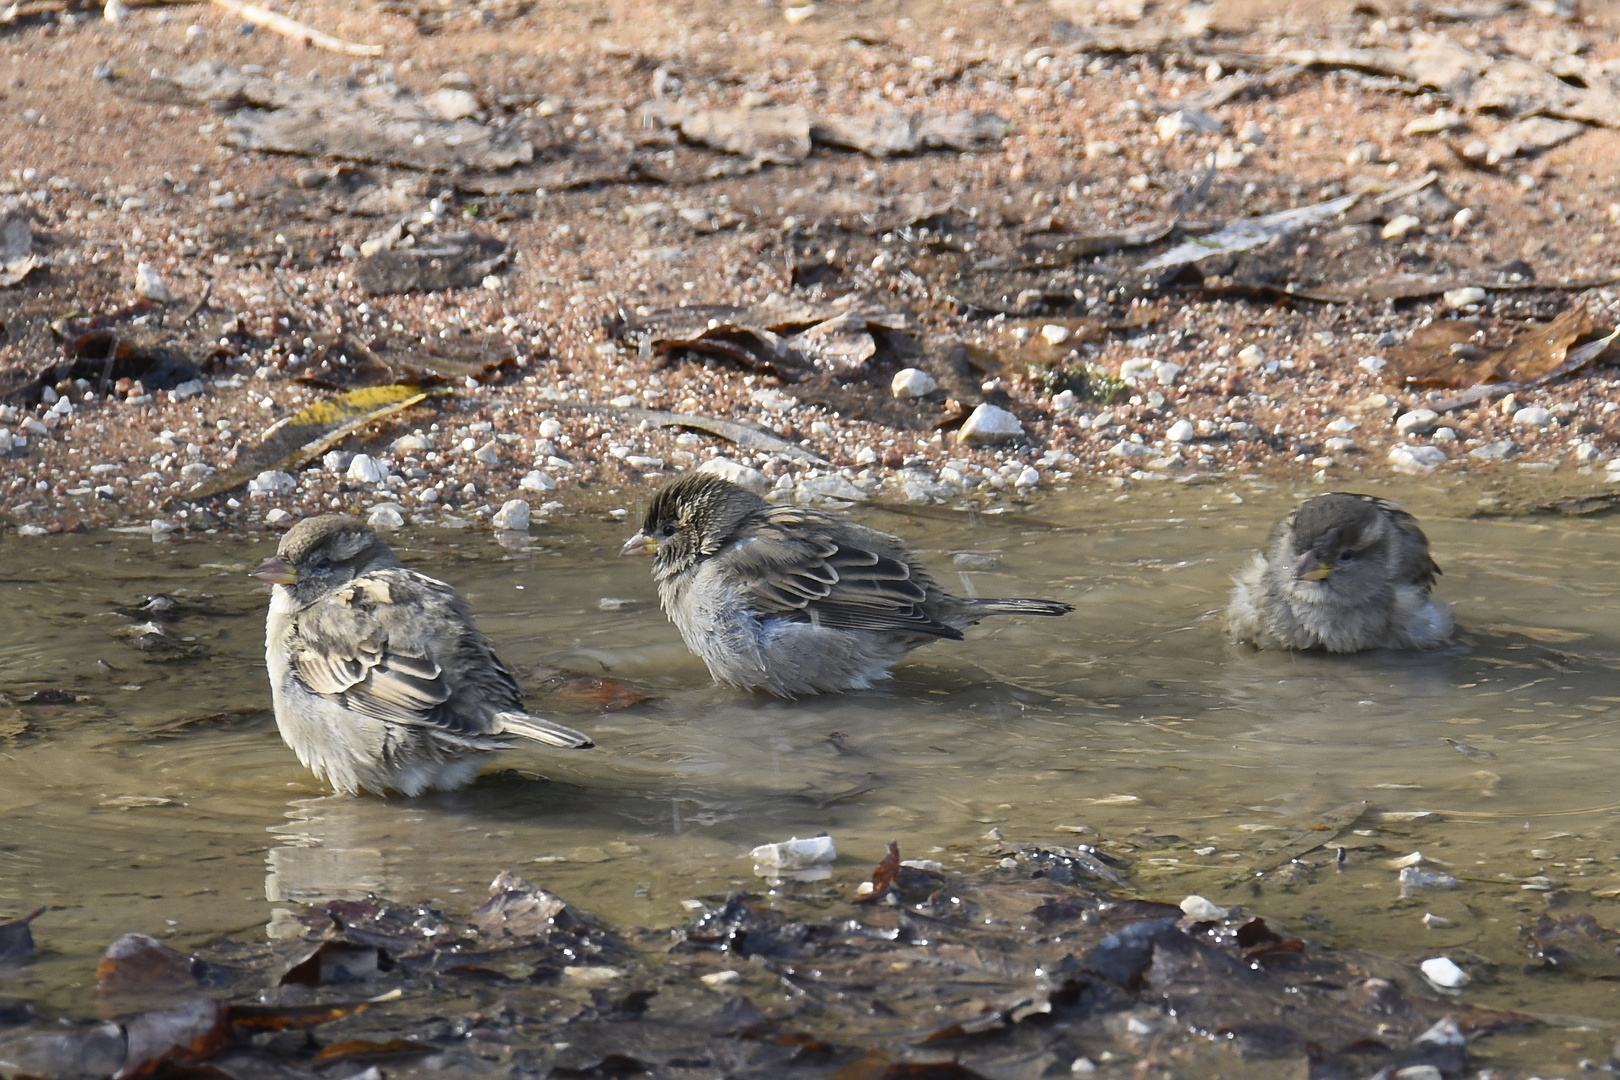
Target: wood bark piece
292 28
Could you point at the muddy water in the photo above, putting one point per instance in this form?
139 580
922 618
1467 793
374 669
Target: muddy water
164 802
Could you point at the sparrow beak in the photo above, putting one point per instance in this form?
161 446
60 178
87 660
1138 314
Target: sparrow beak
1311 568
277 571
640 544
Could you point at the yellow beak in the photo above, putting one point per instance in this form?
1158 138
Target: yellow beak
1311 568
640 544
277 571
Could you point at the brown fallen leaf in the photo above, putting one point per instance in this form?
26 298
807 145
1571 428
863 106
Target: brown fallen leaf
574 690
291 1017
136 968
1468 352
884 875
367 1050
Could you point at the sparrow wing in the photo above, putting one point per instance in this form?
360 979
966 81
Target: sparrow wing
799 565
383 643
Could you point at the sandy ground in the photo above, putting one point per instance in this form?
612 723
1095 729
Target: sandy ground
983 267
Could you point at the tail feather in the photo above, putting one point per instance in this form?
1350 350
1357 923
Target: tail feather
1013 605
540 729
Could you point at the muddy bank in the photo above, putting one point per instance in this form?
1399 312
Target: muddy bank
937 256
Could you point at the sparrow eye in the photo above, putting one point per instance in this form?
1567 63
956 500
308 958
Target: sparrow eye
1346 555
667 530
320 564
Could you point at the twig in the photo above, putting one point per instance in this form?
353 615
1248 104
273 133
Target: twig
292 28
202 301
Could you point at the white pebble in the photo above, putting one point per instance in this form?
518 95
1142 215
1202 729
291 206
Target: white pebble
1251 356
1417 422
550 428
716 979
1585 453
1055 334
537 481
366 469
1181 431
1064 401
1533 416
272 482
990 424
31 530
150 284
1027 479
1397 227
1125 448
1136 369
278 516
866 456
795 854
513 516
738 474
1339 444
1416 458
188 389
1166 372
1372 363
488 454
1203 910
1444 434
1460 298
386 517
427 495
913 383
1444 973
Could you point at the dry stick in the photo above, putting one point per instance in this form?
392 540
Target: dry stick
292 28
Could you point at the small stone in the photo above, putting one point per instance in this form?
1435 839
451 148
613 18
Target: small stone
831 488
1437 922
513 516
272 482
1251 356
1136 369
1083 1066
1028 479
1461 298
1444 973
1342 424
336 462
1203 910
1496 451
115 11
386 517
1533 416
1055 334
1444 435
1397 227
366 469
188 389
160 528
795 854
1339 444
150 284
1064 401
1373 364
738 474
989 424
31 530
716 979
488 454
772 400
537 481
278 516
913 383
427 495
1585 453
1181 431
1127 449
1417 422
1102 148
1416 458
1166 372
412 444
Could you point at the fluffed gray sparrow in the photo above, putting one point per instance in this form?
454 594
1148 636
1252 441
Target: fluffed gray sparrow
793 600
1341 573
378 677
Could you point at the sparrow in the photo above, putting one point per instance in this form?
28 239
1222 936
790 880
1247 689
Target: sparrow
379 679
793 600
1342 573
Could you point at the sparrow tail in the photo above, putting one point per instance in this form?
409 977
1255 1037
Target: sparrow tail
1020 606
542 730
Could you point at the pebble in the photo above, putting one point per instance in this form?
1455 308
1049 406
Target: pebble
1339 444
160 528
1417 422
278 516
1461 298
716 979
412 444
1444 435
537 481
1027 479
1181 431
1397 227
912 383
1412 878
272 482
1342 424
150 284
188 389
1126 448
366 469
773 400
989 424
922 487
1203 910
513 516
336 462
866 456
1136 369
488 454
427 495
738 474
386 517
1372 363
7 441
1251 356
1495 451
1437 922
795 854
830 488
1444 973
1416 457
1055 334
31 530
1065 401
1533 416
1585 453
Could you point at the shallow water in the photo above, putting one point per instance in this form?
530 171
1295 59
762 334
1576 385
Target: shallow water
164 802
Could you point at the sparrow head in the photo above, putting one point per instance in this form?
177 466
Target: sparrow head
691 518
1340 540
323 553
